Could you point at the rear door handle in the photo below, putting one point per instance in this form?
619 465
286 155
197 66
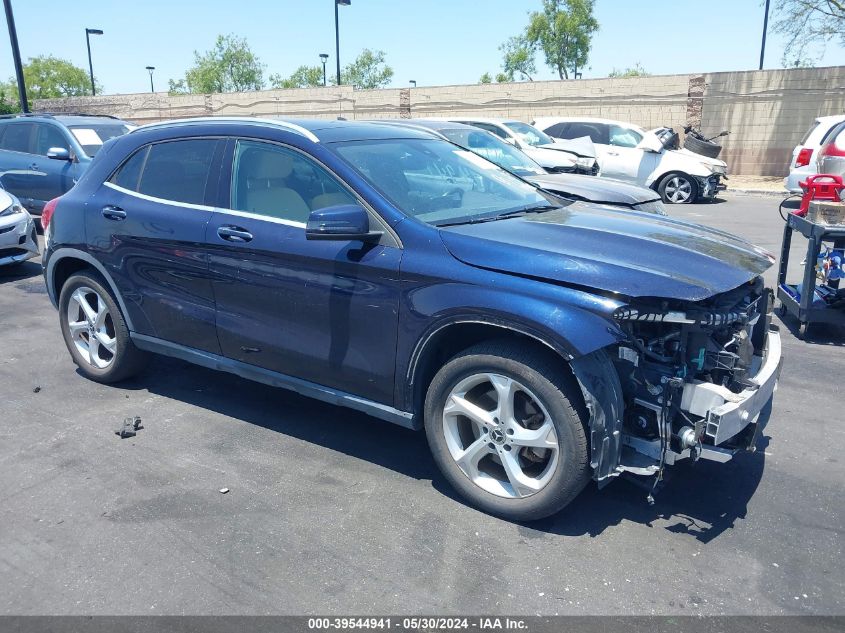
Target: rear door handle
111 212
234 234
613 153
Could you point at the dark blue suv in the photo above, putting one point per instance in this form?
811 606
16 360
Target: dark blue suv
540 342
43 155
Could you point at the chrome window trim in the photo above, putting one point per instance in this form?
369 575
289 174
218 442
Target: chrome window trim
143 196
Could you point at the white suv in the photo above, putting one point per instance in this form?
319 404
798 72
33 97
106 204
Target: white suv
805 154
628 152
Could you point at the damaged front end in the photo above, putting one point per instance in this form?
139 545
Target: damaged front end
689 381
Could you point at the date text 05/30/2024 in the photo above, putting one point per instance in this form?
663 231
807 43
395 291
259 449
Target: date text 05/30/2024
418 623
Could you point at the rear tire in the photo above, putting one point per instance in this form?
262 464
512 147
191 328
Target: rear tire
521 450
95 331
678 188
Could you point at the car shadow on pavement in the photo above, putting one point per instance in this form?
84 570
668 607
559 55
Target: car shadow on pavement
18 272
338 428
702 499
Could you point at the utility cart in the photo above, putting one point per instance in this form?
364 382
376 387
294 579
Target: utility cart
802 300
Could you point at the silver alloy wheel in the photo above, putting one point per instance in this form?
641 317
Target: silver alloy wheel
91 327
500 435
678 189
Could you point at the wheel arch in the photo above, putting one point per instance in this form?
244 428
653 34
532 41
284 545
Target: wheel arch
448 338
598 383
64 262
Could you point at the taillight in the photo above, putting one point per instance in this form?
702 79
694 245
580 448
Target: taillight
47 212
803 157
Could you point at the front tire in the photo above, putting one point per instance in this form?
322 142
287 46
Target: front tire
95 331
678 188
506 427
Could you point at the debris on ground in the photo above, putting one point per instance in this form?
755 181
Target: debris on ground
223 491
129 427
36 390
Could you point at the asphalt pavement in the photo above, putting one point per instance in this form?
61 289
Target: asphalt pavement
329 511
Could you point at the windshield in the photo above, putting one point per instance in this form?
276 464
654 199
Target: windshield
437 182
495 150
529 134
92 137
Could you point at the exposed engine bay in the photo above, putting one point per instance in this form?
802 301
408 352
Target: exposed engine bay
693 377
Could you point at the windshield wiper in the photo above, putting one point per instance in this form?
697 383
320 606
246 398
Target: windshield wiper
542 208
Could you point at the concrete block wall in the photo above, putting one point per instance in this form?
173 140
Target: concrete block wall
767 112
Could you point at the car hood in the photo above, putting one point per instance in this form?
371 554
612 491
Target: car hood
6 200
632 254
581 146
594 188
713 162
548 157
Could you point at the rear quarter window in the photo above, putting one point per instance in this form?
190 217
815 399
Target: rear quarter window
178 171
18 138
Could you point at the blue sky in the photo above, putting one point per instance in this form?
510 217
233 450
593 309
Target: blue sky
434 42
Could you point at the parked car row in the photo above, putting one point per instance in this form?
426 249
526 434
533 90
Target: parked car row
630 153
541 341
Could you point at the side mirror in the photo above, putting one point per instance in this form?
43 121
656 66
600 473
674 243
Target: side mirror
510 140
58 153
346 222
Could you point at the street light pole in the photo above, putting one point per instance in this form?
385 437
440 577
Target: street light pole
16 55
151 69
324 57
765 28
337 3
88 34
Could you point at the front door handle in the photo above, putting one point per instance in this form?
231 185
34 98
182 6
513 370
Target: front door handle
111 212
613 153
33 167
234 234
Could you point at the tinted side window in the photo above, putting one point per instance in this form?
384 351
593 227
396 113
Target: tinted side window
831 134
282 183
128 174
491 128
18 137
558 129
178 170
596 131
48 136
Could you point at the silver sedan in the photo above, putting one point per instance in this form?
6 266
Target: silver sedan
18 238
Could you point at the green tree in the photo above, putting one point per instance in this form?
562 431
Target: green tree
228 67
49 77
635 71
302 77
9 103
502 78
368 70
806 23
518 58
563 30
485 79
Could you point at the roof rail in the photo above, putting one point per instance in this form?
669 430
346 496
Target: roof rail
53 115
293 127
